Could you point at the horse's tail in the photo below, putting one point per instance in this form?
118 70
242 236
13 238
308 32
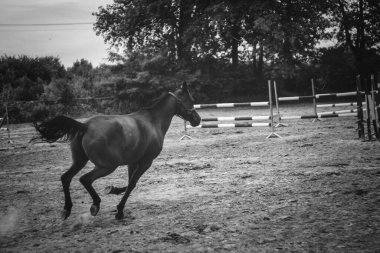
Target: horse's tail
60 127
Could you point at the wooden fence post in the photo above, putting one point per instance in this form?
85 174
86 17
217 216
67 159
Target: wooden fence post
360 108
375 120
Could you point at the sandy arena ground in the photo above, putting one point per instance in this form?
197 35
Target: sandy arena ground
316 189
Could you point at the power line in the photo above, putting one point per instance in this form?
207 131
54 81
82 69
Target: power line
47 24
40 30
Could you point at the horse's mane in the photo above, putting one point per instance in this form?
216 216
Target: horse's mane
156 101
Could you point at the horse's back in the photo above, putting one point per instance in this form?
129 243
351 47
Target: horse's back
117 140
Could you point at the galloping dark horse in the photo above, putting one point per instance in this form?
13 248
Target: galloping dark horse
110 141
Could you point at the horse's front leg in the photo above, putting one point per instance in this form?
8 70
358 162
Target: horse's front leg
87 181
79 161
117 190
66 180
136 174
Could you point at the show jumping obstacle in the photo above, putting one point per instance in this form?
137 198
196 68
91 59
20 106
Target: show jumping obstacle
238 118
372 100
316 115
372 110
372 115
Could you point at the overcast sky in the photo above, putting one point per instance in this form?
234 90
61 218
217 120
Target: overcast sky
68 42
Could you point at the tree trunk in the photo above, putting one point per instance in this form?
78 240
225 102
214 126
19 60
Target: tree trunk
260 62
287 46
235 40
183 19
357 47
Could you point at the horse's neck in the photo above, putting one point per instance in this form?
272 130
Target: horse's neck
163 113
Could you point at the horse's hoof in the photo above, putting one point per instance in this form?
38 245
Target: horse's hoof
119 216
94 210
109 189
65 214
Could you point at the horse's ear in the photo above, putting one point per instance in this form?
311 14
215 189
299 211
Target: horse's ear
184 86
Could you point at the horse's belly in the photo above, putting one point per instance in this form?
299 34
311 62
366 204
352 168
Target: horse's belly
120 146
105 155
147 153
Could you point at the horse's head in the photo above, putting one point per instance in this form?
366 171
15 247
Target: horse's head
185 105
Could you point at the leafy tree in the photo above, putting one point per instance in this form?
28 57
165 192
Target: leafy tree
277 38
337 69
81 68
59 90
358 24
289 31
27 90
26 75
81 78
149 25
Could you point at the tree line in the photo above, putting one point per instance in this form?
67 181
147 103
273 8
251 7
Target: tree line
276 38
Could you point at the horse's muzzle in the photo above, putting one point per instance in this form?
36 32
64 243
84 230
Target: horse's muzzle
195 119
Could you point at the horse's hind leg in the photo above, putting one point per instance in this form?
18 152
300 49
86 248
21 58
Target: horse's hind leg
117 190
137 173
114 190
79 161
87 181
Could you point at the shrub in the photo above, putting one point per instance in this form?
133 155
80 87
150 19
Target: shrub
40 112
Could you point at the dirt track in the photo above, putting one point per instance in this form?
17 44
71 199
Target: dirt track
229 190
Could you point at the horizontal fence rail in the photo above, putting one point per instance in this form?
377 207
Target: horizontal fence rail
232 125
294 98
319 116
336 95
318 96
230 105
339 104
339 112
240 118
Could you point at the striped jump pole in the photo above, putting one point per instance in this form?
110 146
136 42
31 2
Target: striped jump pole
339 112
229 125
336 95
230 105
296 98
240 118
279 124
320 116
272 134
317 96
338 105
